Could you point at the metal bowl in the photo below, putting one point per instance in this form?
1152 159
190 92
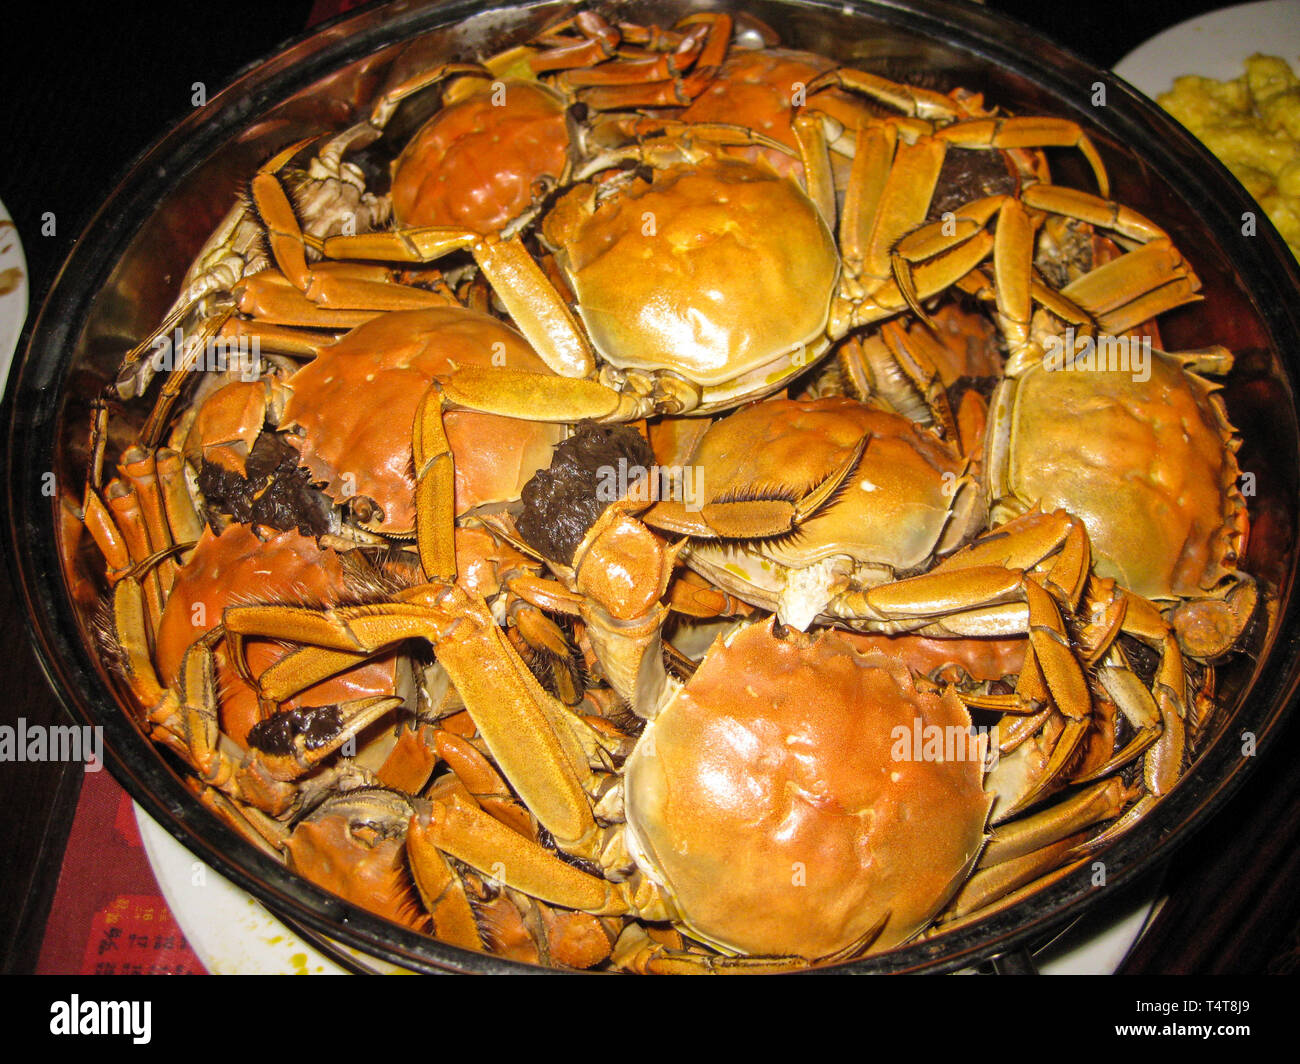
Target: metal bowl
121 276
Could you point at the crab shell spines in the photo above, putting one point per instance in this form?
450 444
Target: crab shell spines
766 798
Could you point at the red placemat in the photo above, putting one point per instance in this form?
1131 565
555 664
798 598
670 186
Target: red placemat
108 916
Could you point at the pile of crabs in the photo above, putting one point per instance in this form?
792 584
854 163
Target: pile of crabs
641 485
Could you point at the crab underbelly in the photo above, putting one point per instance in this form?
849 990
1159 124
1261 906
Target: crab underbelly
799 594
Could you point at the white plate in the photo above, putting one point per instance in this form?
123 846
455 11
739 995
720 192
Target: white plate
228 929
13 293
1214 45
232 933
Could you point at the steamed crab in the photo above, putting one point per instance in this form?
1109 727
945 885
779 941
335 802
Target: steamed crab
360 450
1148 465
854 498
803 501
239 566
802 851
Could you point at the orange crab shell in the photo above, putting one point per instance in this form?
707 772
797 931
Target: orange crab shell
238 568
761 90
769 798
369 874
355 406
895 510
720 271
1147 465
478 162
354 844
949 659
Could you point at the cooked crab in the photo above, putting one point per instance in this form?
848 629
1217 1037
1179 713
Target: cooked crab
241 567
762 826
1145 456
804 500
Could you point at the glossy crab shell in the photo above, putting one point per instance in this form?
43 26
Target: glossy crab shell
770 799
354 844
1147 465
354 406
482 161
721 272
904 502
761 89
239 568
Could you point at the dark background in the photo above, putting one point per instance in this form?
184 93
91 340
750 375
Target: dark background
84 89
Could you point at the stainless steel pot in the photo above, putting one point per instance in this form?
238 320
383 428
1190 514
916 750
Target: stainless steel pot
120 278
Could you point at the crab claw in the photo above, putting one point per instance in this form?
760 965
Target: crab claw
294 741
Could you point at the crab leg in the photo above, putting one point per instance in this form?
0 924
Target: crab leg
483 783
961 126
141 469
999 885
1072 814
650 68
900 208
463 831
907 99
701 50
934 238
510 393
194 345
941 595
637 952
442 892
128 516
185 719
529 297
108 537
900 363
596 43
691 596
928 279
513 713
346 288
1026 133
818 179
184 522
1136 287
271 297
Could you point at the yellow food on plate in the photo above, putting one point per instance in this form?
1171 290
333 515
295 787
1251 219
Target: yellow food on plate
1252 124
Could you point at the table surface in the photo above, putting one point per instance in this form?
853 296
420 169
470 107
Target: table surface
78 104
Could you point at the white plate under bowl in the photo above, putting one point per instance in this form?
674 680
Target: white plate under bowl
13 292
232 933
1214 45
